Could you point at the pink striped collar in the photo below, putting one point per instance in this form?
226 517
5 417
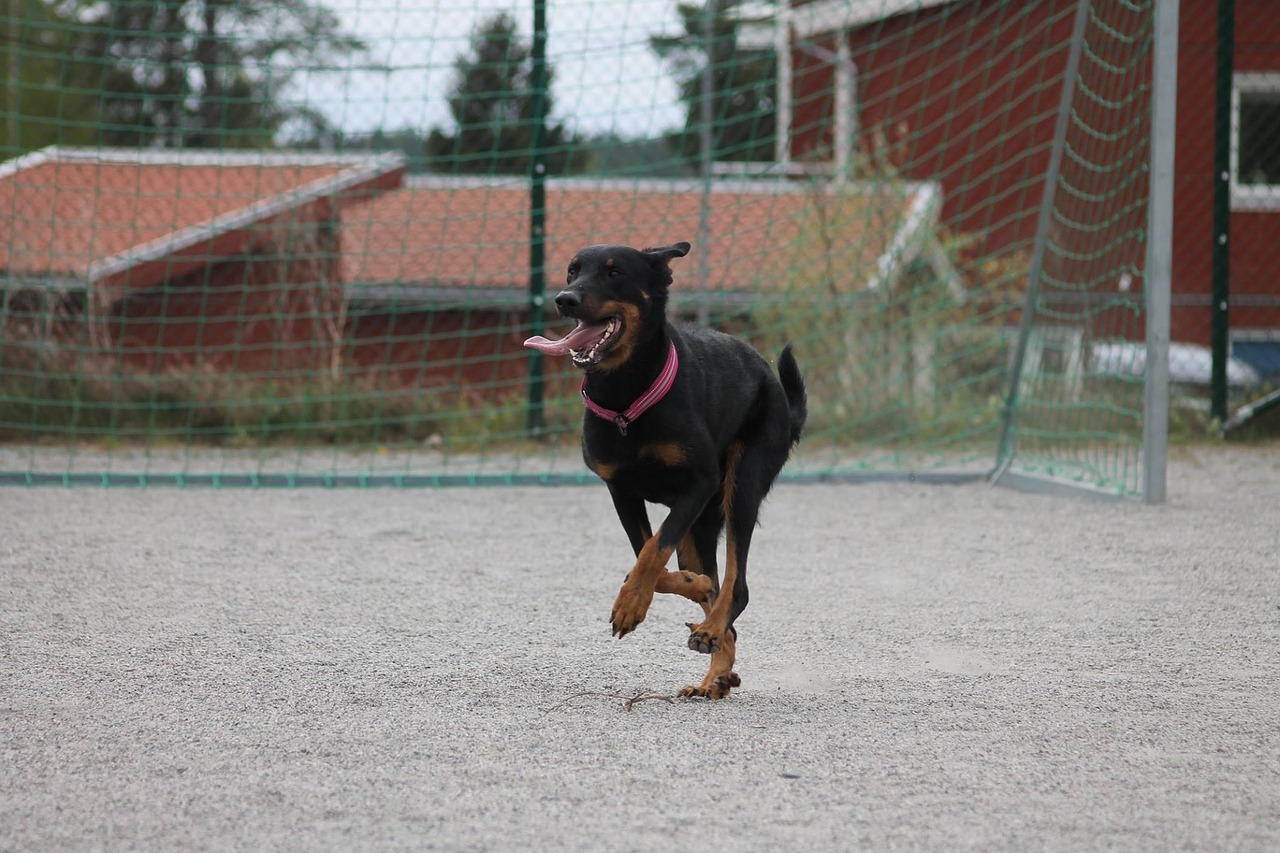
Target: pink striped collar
647 401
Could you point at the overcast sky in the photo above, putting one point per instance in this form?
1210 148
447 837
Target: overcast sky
607 78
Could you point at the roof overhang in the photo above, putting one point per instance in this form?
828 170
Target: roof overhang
407 297
232 233
229 234
914 239
758 22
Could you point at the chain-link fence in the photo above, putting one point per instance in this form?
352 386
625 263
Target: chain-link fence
249 243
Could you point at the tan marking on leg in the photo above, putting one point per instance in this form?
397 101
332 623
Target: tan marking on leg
732 456
696 588
720 677
690 562
710 634
636 594
687 554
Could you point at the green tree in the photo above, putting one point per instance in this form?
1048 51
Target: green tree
177 73
743 85
208 73
48 96
492 101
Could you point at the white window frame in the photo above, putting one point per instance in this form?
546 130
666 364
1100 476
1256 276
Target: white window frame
1248 197
1252 334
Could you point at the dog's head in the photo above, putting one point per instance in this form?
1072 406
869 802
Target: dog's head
618 295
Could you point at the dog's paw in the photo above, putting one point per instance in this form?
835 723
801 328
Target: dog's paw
700 588
629 610
703 639
712 688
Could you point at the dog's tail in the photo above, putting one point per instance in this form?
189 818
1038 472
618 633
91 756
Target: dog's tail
793 385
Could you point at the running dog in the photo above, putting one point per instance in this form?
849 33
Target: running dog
680 415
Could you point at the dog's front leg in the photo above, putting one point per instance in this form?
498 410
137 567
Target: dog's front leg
633 515
636 594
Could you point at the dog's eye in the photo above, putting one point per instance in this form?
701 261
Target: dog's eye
573 270
614 272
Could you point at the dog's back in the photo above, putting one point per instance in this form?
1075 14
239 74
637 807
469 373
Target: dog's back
737 386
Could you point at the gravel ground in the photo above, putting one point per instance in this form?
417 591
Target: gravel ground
923 667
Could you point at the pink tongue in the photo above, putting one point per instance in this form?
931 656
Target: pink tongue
581 336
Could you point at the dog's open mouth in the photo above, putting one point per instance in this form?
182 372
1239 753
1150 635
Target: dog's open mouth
586 344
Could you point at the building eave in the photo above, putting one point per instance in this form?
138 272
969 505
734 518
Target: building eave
173 253
381 172
757 27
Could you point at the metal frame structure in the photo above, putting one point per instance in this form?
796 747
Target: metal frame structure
1158 286
1156 292
1164 99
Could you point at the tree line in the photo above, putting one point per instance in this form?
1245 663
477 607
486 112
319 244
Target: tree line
186 74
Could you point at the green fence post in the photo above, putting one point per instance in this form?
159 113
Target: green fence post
535 421
1222 210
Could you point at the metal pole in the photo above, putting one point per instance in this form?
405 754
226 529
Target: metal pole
14 84
1164 101
846 77
706 116
782 48
535 421
1004 453
1219 338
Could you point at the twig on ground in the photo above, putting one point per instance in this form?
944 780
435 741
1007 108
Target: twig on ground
628 702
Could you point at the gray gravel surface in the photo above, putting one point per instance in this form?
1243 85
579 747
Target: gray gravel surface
933 668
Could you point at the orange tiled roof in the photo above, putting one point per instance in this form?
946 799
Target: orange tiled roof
82 213
474 233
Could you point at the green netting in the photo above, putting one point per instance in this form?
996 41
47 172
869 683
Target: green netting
274 244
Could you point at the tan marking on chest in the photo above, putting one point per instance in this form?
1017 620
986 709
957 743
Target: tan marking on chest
604 470
670 454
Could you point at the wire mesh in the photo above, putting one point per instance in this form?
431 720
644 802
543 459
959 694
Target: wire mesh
289 244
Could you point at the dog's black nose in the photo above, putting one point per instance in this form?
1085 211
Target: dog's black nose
568 300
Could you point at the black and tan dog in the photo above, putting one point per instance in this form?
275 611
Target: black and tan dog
679 415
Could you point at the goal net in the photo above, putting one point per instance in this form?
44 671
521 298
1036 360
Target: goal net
303 244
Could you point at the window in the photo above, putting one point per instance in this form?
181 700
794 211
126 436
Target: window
1258 348
1255 141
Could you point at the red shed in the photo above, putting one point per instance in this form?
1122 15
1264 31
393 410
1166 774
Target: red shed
175 258
438 272
965 92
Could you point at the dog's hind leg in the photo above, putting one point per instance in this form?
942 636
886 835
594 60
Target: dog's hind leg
698 579
697 550
749 473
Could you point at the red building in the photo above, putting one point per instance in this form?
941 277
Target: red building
278 266
966 92
438 272
224 260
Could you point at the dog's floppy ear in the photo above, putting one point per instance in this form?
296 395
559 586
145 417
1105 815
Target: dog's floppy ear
662 254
